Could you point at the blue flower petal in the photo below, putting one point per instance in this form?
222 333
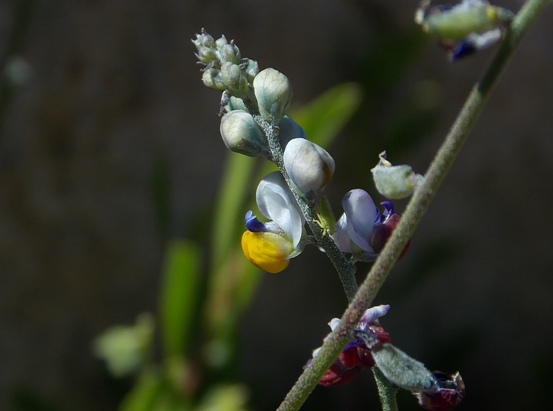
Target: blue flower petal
253 224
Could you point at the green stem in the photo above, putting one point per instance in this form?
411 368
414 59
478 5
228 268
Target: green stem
416 209
386 390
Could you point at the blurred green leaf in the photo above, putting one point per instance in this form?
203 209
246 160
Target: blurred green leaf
323 118
229 212
126 348
144 394
231 397
179 295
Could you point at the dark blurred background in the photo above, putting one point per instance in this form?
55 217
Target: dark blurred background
102 108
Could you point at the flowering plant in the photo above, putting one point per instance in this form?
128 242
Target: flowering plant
294 213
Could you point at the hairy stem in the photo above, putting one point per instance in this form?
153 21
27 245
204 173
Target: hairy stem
416 209
386 390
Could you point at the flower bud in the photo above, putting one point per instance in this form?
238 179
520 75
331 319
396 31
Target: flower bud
241 134
250 68
394 182
205 44
288 130
445 395
236 103
212 79
402 370
309 166
234 79
228 53
273 92
221 42
466 27
457 22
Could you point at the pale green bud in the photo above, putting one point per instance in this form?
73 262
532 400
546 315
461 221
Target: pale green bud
242 135
288 130
229 53
220 42
309 166
455 23
205 44
206 55
236 103
394 182
212 79
273 92
234 79
204 39
402 370
250 68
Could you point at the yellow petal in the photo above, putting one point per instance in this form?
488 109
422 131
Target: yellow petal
268 251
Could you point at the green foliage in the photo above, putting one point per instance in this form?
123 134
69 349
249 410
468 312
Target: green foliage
325 117
179 295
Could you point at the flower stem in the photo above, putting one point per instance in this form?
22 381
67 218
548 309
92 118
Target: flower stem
386 390
416 209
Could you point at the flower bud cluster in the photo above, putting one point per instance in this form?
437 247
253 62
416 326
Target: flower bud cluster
464 28
225 69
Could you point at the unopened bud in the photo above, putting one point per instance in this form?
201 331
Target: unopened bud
309 166
241 134
229 53
394 182
234 79
205 44
236 103
250 68
402 370
457 22
273 92
212 79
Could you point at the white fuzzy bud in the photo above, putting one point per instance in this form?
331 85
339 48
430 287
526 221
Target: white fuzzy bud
273 92
235 79
241 134
309 166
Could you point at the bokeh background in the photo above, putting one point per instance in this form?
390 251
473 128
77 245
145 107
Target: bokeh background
102 109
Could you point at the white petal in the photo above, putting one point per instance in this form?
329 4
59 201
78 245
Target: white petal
276 202
362 215
341 236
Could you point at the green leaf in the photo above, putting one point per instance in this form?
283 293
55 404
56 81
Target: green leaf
323 118
144 394
229 213
179 295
